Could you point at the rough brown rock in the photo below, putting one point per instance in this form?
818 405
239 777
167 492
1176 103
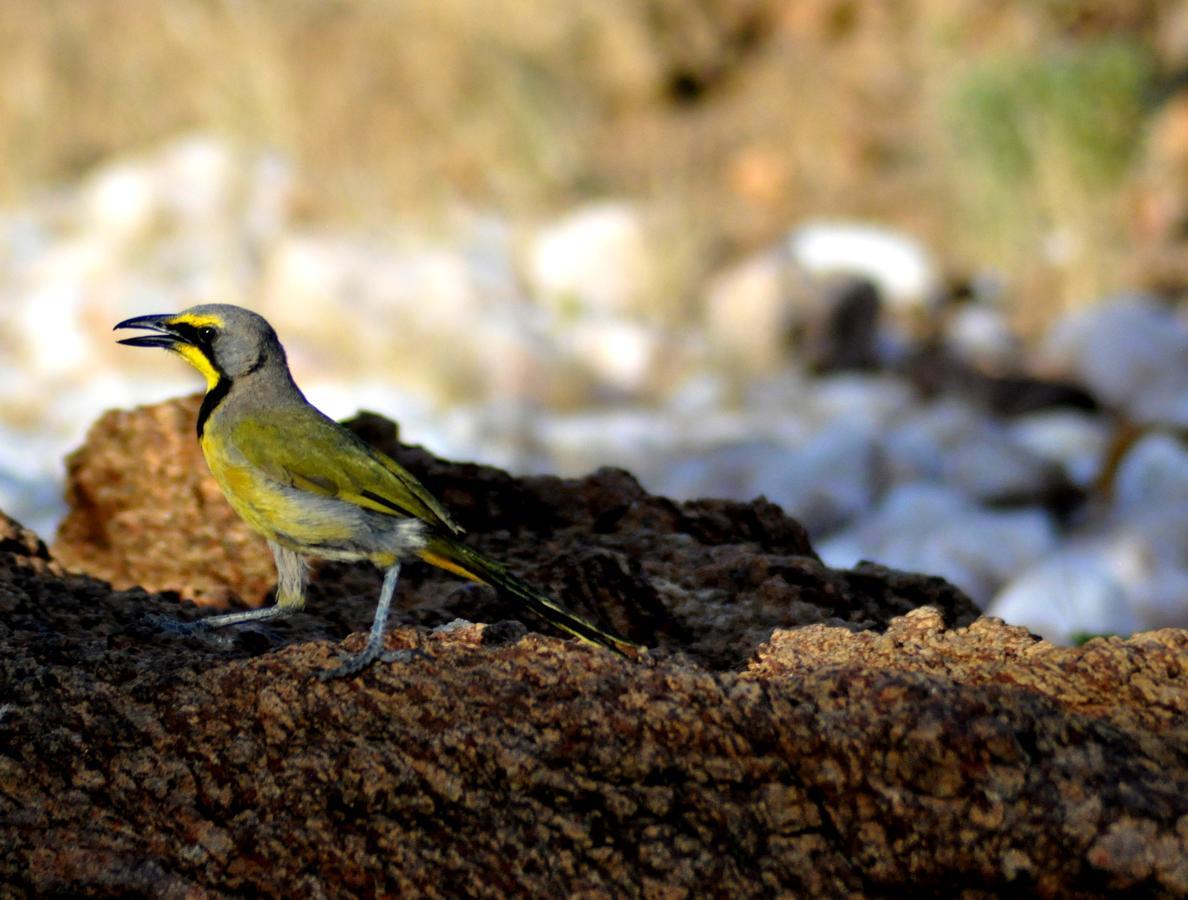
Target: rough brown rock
924 753
145 511
1139 681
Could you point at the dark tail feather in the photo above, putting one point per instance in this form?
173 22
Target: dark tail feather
456 557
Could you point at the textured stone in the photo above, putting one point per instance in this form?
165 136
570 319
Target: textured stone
886 749
1138 681
145 511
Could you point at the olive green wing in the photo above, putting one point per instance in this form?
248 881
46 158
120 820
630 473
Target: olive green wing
308 450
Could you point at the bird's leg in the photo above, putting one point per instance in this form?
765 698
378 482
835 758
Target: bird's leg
291 577
210 623
375 639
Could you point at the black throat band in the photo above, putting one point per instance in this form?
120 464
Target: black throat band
212 399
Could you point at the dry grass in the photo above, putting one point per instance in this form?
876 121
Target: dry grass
730 118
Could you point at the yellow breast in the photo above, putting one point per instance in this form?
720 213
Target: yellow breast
295 518
246 491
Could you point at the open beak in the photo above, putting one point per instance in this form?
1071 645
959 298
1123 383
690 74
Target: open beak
163 333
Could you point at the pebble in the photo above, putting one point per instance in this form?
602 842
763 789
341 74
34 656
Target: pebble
936 529
1132 352
900 267
1067 597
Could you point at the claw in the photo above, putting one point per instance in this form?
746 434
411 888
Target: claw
182 628
352 665
406 656
171 625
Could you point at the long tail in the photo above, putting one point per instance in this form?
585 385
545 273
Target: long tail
454 556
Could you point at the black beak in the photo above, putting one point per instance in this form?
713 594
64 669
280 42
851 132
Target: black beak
164 335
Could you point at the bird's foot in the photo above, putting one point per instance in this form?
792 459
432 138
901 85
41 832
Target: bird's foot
350 665
183 628
353 665
171 625
406 655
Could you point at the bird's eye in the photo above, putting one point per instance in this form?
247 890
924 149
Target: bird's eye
207 333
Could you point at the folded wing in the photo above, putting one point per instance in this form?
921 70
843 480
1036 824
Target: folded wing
312 452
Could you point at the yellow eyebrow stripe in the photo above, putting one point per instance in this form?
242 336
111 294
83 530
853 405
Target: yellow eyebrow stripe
197 321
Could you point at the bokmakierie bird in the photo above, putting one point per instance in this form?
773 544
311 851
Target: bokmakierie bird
310 486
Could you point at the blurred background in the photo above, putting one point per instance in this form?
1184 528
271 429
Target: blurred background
915 271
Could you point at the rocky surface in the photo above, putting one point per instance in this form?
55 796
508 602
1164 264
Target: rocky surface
895 744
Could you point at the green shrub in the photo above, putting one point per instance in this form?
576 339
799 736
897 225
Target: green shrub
1043 148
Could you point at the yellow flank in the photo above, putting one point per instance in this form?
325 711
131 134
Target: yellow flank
198 360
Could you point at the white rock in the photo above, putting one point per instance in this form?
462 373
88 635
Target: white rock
1146 550
1132 353
32 469
487 241
77 260
512 360
981 335
719 454
951 442
1068 596
23 236
921 502
1074 440
49 328
1153 473
932 528
829 480
596 258
625 436
308 273
92 393
740 470
748 312
388 302
1161 601
899 266
702 393
435 285
859 397
620 352
786 391
271 197
37 504
824 481
198 177
341 398
120 201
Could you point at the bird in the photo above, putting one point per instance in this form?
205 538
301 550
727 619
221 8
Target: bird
313 488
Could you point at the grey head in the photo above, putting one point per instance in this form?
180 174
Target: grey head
219 340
